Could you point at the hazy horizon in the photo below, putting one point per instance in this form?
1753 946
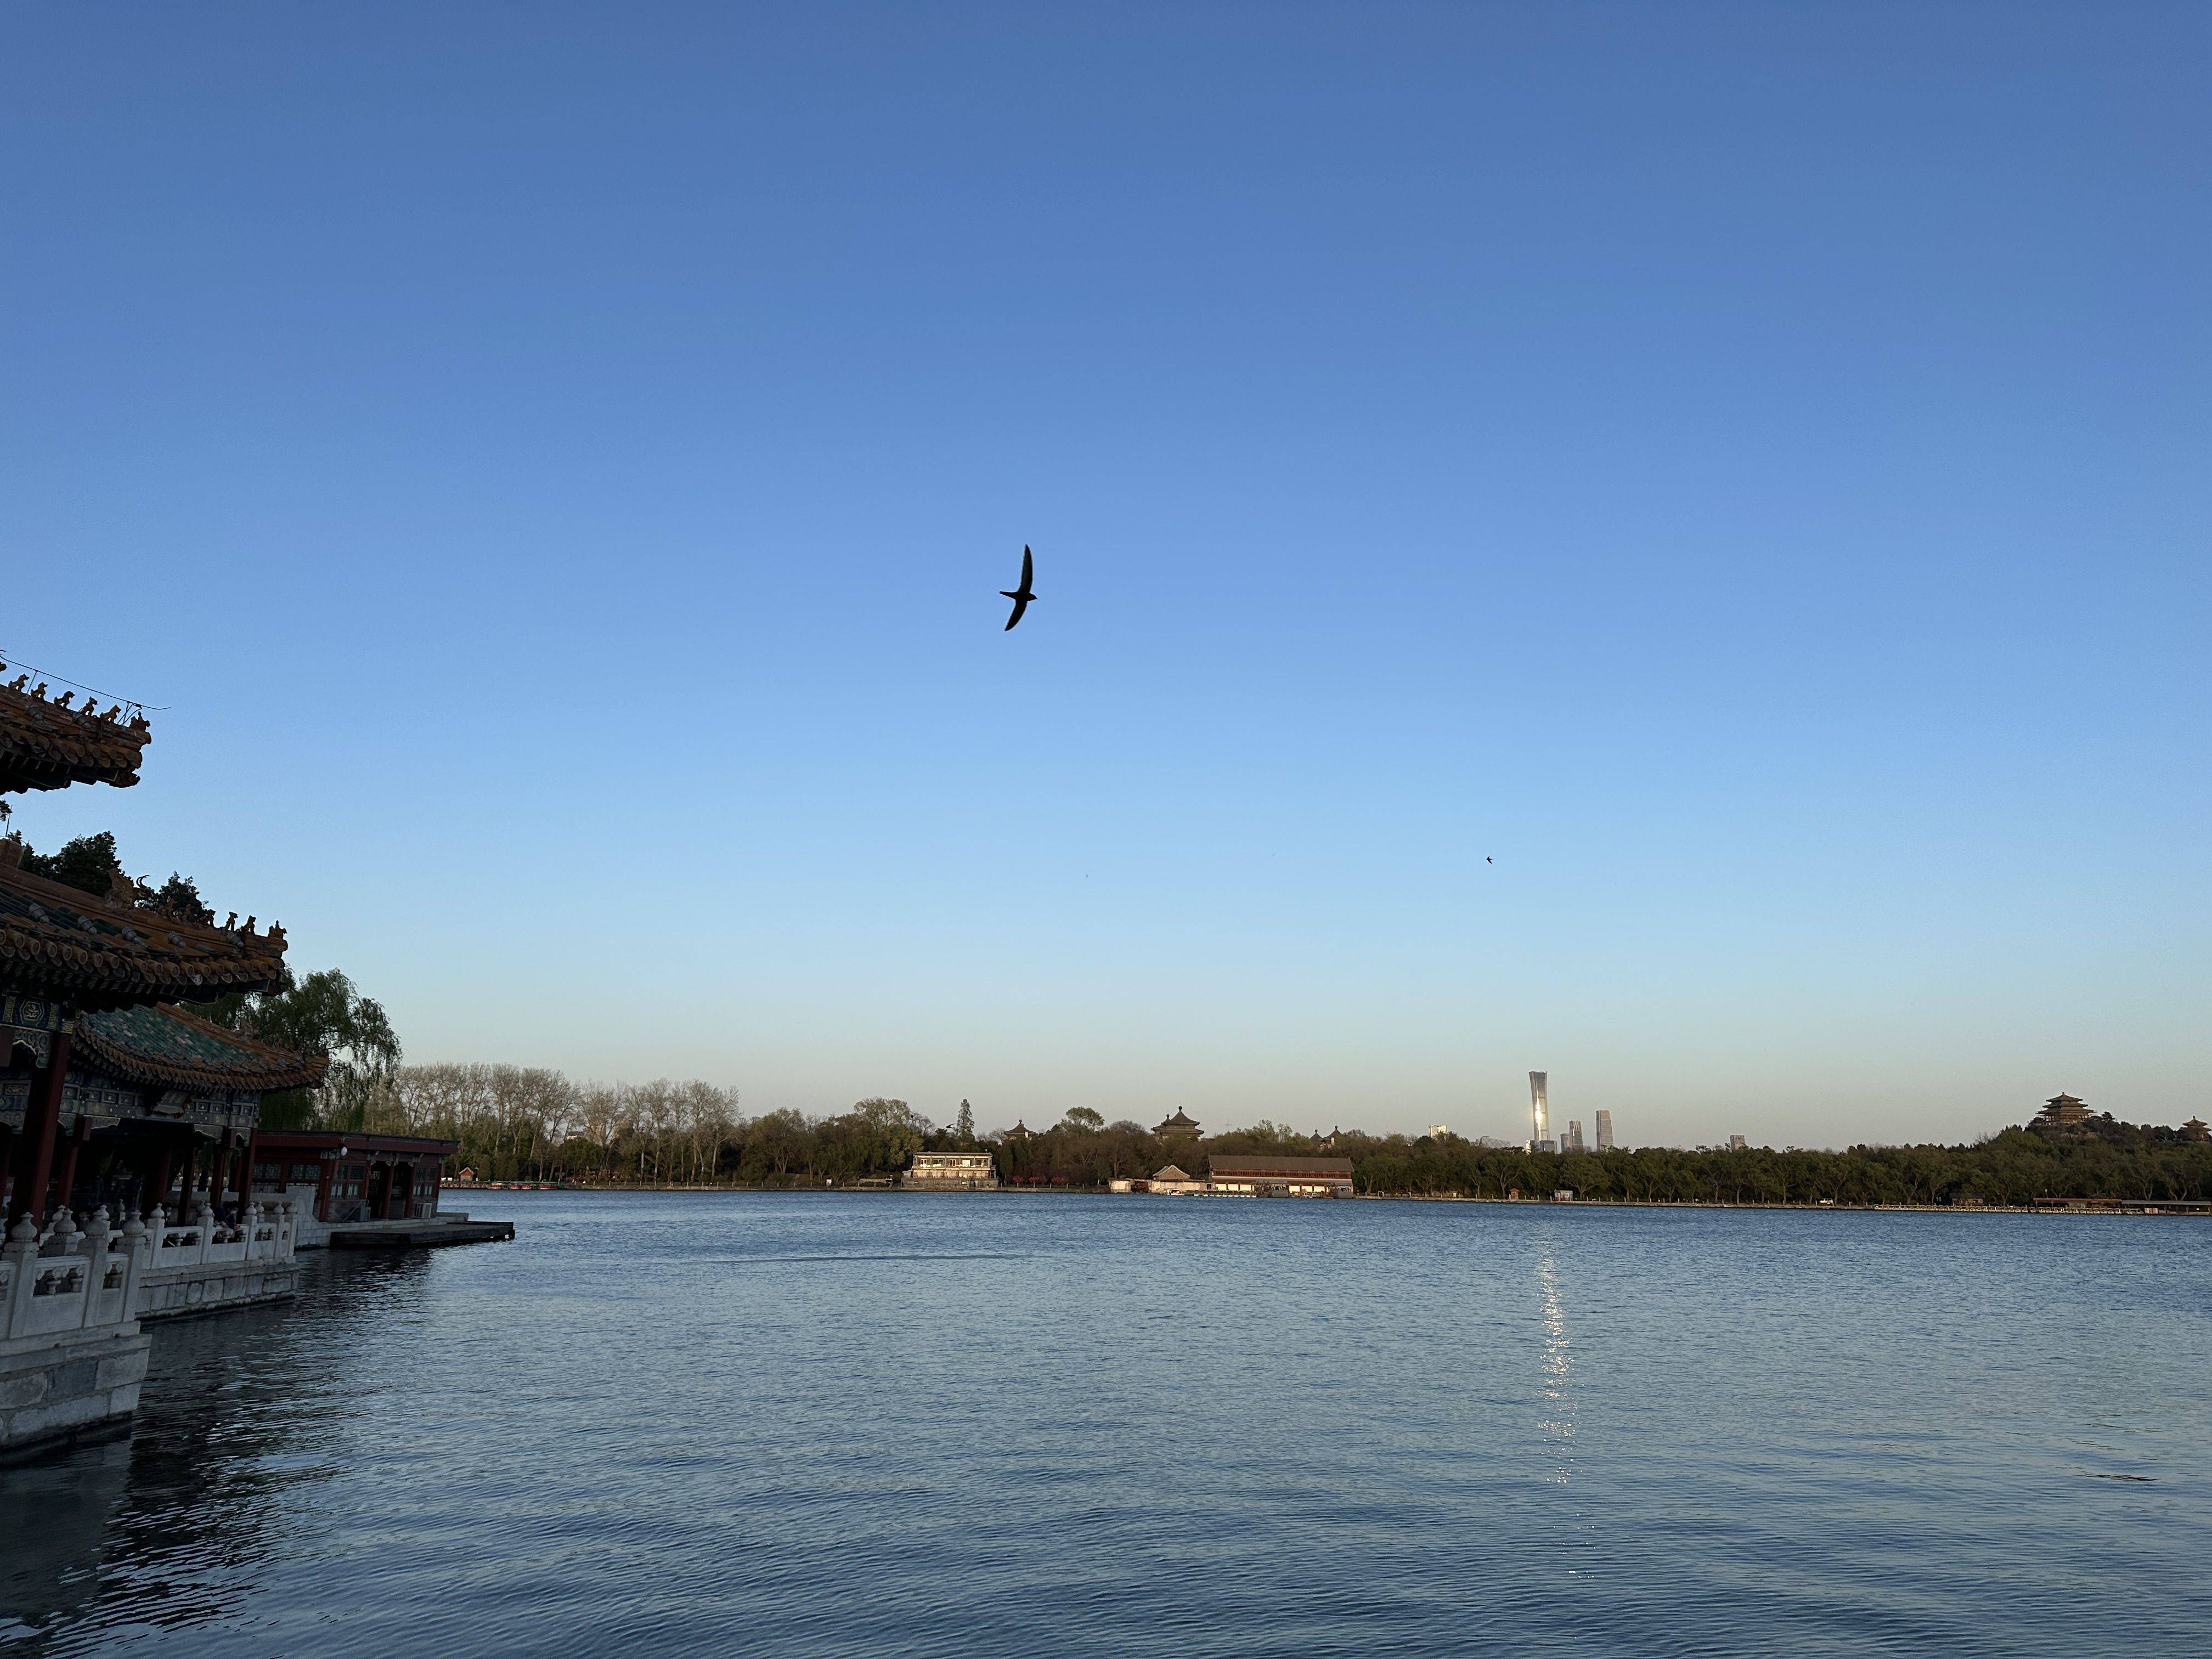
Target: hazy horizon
1739 469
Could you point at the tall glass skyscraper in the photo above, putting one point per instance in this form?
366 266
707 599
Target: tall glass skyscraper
1540 1112
1605 1132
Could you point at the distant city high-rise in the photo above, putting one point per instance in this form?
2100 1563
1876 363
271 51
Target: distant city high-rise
1437 1131
1539 1113
1572 1140
1605 1132
1738 1144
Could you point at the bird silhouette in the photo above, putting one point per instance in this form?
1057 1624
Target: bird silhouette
1487 860
1021 596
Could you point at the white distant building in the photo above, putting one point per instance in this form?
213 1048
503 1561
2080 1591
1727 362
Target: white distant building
1605 1132
1737 1144
1540 1113
952 1172
1438 1131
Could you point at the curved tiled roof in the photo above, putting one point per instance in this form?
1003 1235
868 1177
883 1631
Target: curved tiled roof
46 744
164 1047
60 942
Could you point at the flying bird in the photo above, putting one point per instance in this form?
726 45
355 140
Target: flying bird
1021 596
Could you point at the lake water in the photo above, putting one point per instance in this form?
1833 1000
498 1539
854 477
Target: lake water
997 1424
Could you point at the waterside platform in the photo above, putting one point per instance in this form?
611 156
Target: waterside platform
427 1233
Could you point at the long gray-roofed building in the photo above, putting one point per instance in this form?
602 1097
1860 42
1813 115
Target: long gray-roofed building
1281 1177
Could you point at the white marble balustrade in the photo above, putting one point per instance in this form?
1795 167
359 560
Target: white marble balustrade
266 1232
61 1280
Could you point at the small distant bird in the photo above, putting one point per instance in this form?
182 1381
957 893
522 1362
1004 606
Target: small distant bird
1487 858
1021 596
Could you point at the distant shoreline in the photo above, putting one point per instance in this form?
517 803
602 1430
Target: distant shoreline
2148 1206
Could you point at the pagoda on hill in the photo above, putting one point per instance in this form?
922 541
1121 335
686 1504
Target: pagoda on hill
2062 1115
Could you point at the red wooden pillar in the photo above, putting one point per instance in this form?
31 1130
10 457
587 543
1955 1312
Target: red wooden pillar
158 1193
67 1184
37 1166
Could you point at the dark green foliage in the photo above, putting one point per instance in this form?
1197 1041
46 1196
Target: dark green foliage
288 1109
2013 1168
178 897
515 1125
323 1014
89 864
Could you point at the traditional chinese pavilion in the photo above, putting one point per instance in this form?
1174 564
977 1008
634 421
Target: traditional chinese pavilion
107 1090
95 973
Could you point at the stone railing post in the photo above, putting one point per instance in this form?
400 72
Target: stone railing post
65 1242
19 1266
92 1242
140 1245
107 1278
159 1226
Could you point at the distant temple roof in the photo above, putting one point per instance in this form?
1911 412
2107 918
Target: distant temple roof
1180 1123
46 744
57 941
166 1048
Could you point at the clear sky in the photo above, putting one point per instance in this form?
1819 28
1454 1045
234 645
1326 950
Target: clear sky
1741 469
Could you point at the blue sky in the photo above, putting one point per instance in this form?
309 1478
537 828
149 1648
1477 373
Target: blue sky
1742 469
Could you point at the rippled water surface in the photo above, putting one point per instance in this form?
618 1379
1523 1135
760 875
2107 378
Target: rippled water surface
870 1423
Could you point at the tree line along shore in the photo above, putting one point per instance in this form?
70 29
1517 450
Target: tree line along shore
530 1124
526 1123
